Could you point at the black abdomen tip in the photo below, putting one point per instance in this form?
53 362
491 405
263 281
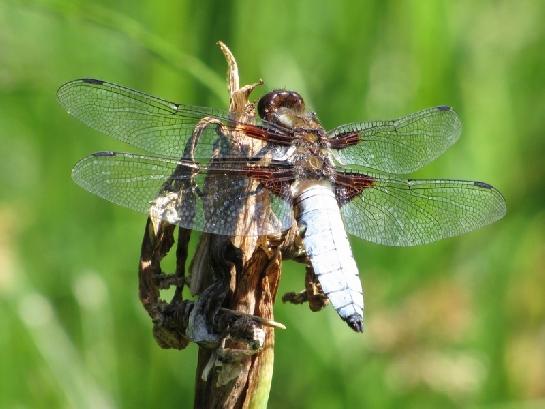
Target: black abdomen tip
355 321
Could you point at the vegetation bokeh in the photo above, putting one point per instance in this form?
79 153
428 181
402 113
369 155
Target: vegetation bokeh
459 323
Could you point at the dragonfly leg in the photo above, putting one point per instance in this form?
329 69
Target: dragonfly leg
300 297
312 293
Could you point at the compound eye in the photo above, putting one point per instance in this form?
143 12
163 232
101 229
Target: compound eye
266 105
294 101
270 103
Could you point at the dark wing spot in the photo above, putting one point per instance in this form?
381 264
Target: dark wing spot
106 153
344 140
92 81
348 185
443 108
483 185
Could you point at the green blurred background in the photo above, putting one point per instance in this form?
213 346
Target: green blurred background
459 323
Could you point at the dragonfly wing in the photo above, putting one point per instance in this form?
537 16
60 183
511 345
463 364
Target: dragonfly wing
208 199
412 212
153 124
398 146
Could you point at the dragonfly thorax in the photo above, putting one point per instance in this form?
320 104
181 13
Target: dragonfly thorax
311 162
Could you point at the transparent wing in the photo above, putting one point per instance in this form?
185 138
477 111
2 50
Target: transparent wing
202 198
411 212
153 124
398 146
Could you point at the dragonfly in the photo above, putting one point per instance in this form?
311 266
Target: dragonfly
345 181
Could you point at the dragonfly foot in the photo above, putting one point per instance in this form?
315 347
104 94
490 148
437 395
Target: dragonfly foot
295 298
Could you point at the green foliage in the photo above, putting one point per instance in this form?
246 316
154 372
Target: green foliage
459 323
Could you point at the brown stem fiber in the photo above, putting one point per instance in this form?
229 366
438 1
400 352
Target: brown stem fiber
234 280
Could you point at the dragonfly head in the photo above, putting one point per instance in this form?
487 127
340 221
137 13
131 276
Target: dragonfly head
282 107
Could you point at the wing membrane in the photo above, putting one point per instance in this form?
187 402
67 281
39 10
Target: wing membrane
412 212
184 193
153 124
398 146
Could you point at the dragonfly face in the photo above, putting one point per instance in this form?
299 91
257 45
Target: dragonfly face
355 168
281 107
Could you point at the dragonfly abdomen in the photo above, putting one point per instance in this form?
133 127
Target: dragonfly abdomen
329 252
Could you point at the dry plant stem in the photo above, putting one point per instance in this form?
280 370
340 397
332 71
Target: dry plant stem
253 278
167 318
236 280
172 321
